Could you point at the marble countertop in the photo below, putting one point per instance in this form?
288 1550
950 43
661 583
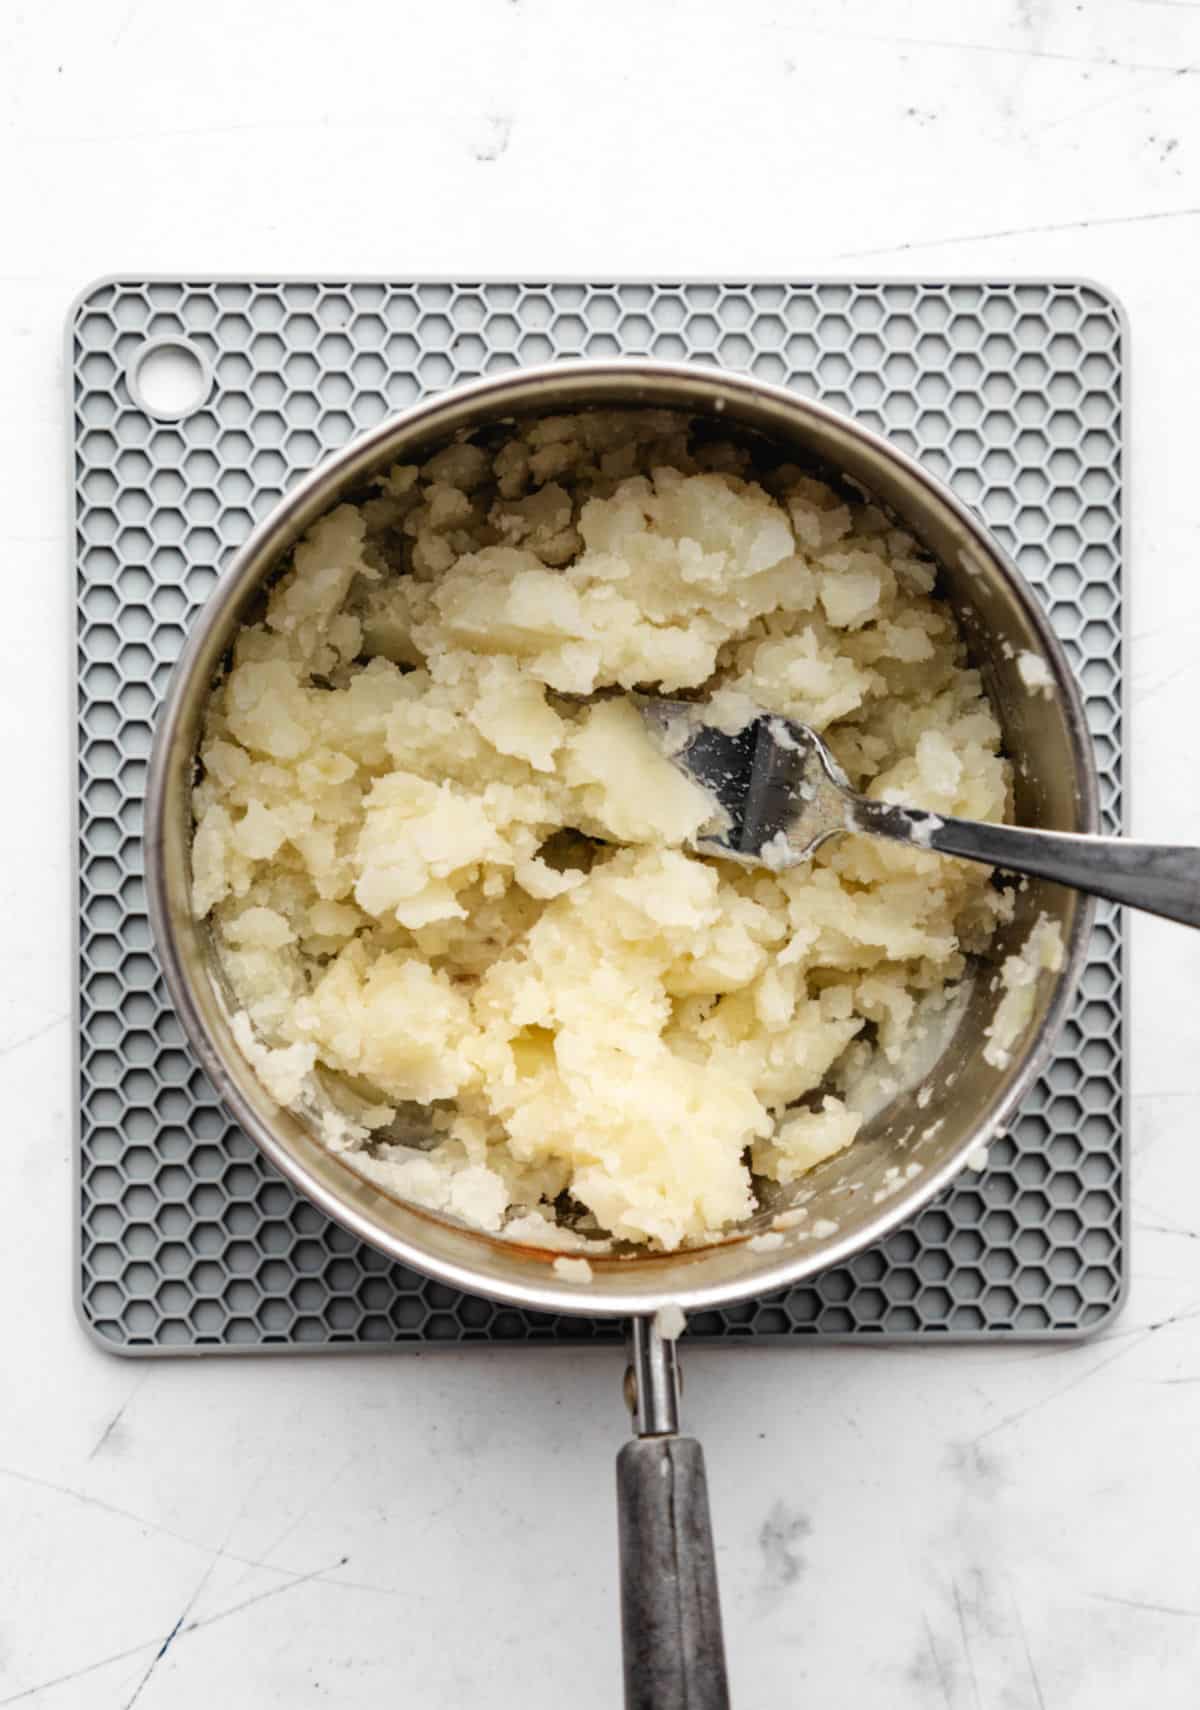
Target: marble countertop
965 1528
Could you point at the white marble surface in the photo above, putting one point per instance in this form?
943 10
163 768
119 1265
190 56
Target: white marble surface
983 1529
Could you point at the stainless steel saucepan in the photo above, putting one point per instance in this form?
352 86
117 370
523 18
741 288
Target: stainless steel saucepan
673 1649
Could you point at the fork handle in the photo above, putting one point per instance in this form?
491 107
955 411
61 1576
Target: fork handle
1158 878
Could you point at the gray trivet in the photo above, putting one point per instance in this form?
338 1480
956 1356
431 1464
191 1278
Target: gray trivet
188 1242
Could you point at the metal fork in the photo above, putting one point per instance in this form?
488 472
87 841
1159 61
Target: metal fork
779 795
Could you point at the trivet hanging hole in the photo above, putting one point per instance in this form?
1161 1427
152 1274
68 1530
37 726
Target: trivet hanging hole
169 379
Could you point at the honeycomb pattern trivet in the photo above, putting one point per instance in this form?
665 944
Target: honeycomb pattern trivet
1012 392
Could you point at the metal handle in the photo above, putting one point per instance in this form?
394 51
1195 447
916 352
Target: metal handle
674 1651
1156 877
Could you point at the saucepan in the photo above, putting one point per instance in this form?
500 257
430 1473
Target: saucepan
673 1648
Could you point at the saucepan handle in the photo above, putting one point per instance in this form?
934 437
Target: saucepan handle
674 1652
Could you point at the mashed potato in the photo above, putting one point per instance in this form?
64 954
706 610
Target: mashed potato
453 897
